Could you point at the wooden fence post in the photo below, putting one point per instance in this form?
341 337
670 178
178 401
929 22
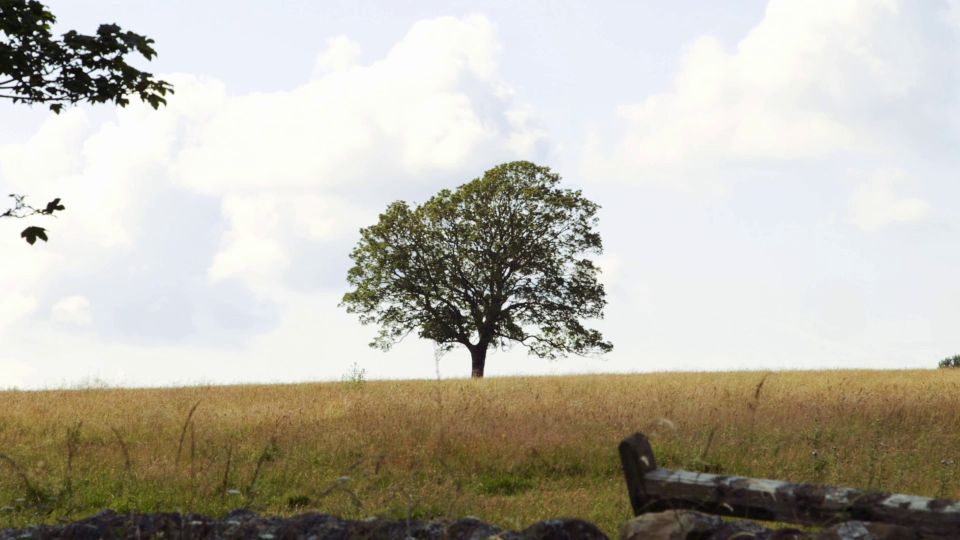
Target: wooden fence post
653 489
636 456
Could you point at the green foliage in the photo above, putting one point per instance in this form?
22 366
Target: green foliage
298 502
952 362
500 259
356 376
504 483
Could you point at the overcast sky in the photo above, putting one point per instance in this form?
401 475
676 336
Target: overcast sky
778 182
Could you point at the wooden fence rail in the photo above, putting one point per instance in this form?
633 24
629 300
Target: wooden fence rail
653 490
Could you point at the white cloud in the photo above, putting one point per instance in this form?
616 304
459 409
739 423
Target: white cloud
526 138
53 151
250 248
103 173
15 306
72 310
210 238
430 105
875 204
812 80
263 227
250 256
211 216
341 54
611 269
282 161
318 217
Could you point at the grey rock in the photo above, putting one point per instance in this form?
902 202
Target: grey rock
247 525
563 529
744 530
692 525
670 525
863 530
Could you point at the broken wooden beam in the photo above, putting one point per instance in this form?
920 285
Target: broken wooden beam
653 489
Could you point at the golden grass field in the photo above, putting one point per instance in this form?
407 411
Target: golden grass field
511 451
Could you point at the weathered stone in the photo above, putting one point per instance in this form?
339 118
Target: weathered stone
743 530
670 525
563 529
692 525
862 530
247 525
472 529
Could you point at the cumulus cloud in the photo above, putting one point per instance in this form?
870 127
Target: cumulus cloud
201 221
341 54
611 269
875 203
306 163
209 240
26 165
250 248
428 106
72 310
15 306
811 80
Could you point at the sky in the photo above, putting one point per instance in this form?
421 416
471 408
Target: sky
777 182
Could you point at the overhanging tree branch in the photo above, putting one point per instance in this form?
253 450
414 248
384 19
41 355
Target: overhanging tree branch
74 68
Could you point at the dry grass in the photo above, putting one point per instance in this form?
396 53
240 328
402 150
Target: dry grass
512 450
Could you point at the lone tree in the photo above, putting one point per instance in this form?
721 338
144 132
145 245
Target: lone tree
35 67
951 362
501 259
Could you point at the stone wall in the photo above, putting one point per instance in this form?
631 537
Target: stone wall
244 524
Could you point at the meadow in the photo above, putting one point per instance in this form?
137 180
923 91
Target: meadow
511 451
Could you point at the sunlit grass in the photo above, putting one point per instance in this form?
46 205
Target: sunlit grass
509 450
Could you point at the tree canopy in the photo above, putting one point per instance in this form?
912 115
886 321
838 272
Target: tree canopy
502 259
36 67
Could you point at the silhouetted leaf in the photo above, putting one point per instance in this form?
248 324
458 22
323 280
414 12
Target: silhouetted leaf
30 234
53 205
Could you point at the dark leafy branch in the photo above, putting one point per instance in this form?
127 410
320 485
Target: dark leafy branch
36 67
22 210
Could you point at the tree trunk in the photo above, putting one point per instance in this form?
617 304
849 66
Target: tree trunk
478 353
